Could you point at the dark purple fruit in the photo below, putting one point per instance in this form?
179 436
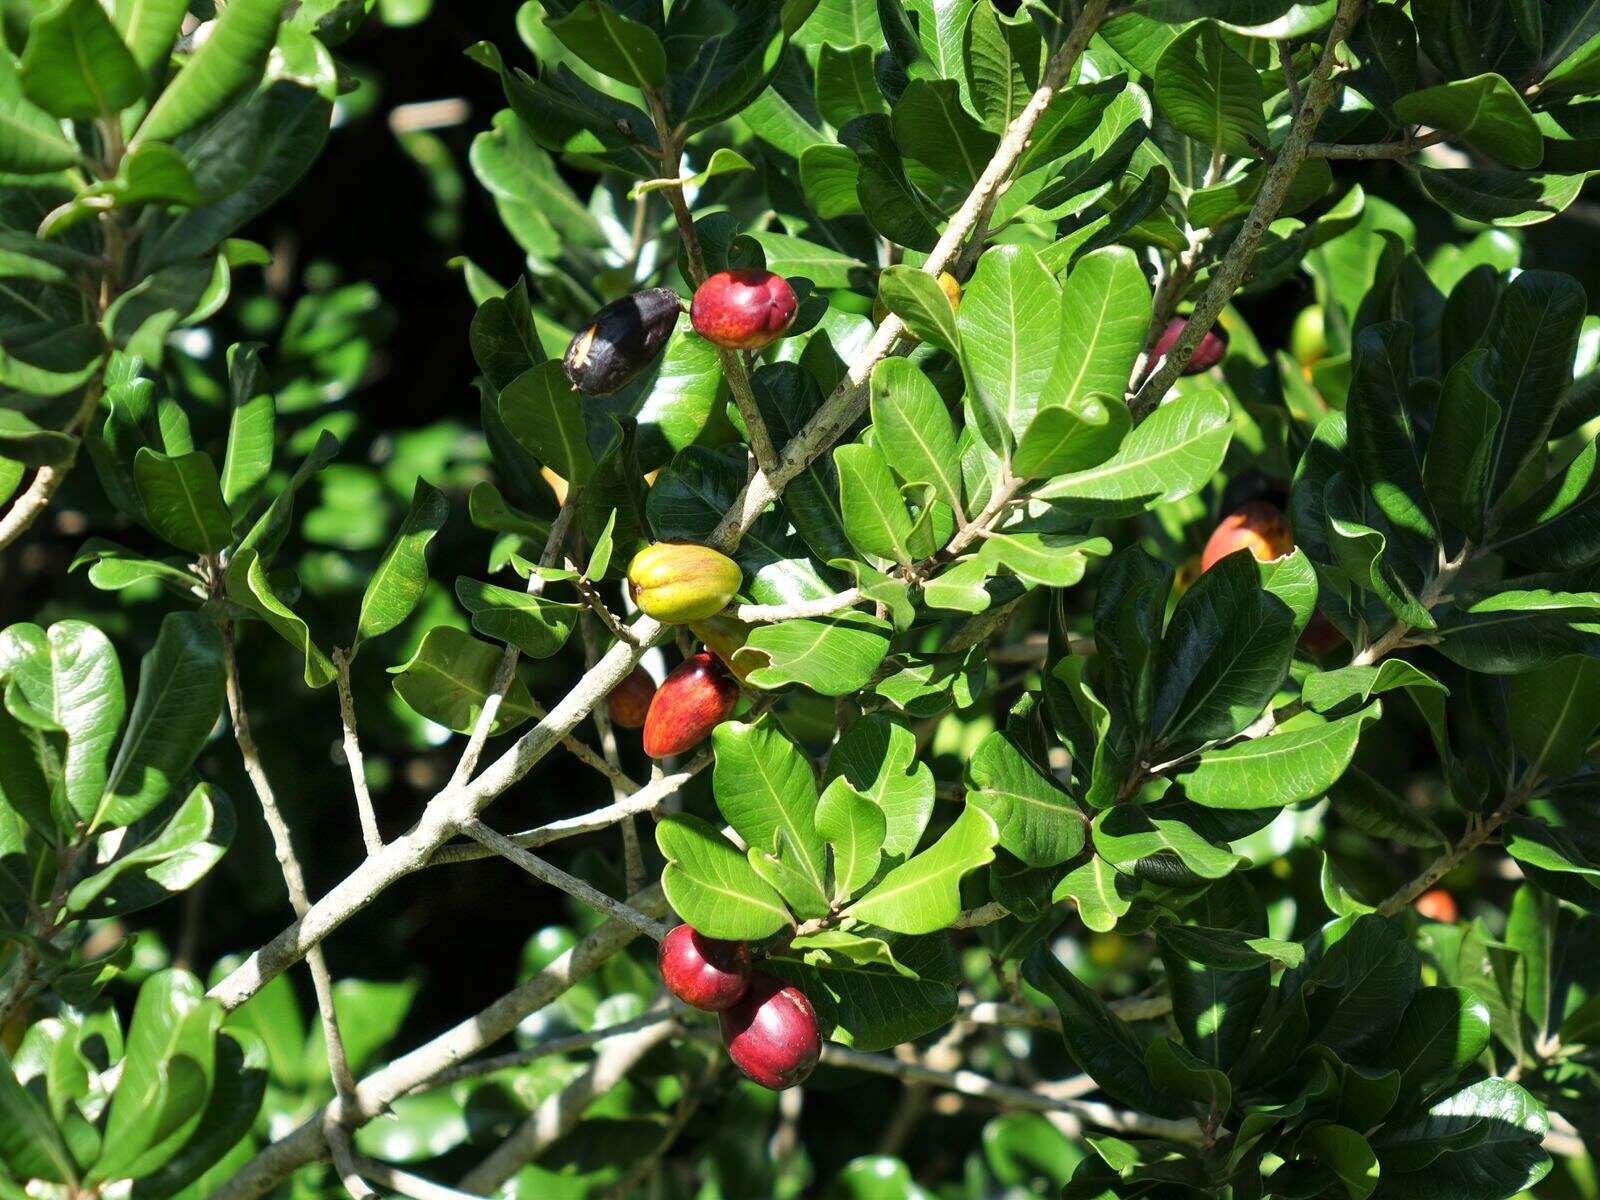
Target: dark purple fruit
1206 355
771 1033
621 341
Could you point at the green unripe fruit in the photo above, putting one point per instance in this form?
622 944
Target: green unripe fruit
1308 340
678 582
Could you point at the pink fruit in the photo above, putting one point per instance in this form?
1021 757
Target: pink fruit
1257 526
743 309
1206 355
705 973
697 697
771 1034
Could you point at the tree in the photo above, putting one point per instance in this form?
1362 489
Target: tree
1181 746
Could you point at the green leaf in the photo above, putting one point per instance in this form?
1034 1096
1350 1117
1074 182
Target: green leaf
1105 320
149 28
1280 769
891 202
252 422
66 679
833 656
959 588
712 886
1032 550
765 790
1347 1154
855 829
267 534
236 1096
1485 111
182 498
933 129
1099 1042
1037 821
912 427
1226 651
879 759
1102 893
1211 92
875 517
1534 334
450 677
1124 835
873 992
1455 467
30 1143
229 63
1363 802
31 141
1075 436
1553 712
248 585
1510 199
1359 984
181 686
917 299
829 174
172 859
75 65
542 412
1008 322
1001 59
1490 1132
1329 689
1179 1073
1443 1031
923 894
1557 527
396 586
613 44
1172 454
845 85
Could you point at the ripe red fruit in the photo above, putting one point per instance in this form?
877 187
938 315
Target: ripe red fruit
697 697
705 973
629 701
1437 905
1256 526
743 309
771 1034
1206 355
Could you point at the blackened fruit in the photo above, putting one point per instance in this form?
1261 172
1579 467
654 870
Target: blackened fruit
678 582
697 697
621 340
1437 905
1320 636
1258 527
1206 355
629 701
771 1034
705 973
743 309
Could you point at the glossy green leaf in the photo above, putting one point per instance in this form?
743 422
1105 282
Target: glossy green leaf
31 141
1486 112
1009 322
396 586
252 428
614 44
766 792
1280 769
712 886
1038 822
76 66
451 676
833 655
229 63
248 585
855 829
1105 321
923 893
878 757
182 498
1211 92
542 412
918 299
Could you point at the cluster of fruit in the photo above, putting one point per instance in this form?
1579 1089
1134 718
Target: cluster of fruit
768 1025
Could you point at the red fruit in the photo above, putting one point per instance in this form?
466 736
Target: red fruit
1321 635
697 697
705 973
1206 355
743 309
1437 905
629 701
771 1033
1256 526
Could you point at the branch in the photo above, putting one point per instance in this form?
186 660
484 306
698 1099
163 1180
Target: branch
1403 148
557 1115
824 606
26 508
632 854
1479 830
294 882
556 877
411 1071
352 754
407 1184
461 800
1230 270
548 1049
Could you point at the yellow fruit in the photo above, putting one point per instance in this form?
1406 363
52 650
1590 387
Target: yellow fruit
678 582
1308 340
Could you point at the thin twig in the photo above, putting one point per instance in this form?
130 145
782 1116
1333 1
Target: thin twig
632 853
556 877
571 1044
407 1184
1230 270
1403 148
824 606
293 880
25 509
352 754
